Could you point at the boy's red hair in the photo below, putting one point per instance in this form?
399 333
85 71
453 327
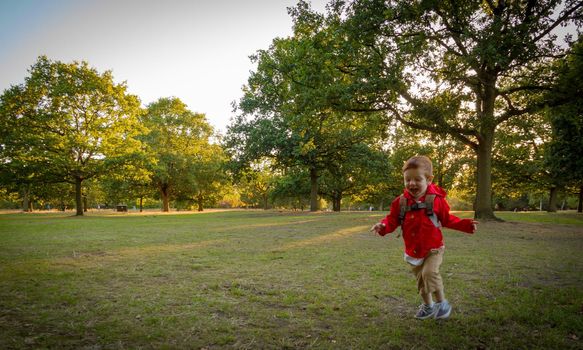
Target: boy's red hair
418 162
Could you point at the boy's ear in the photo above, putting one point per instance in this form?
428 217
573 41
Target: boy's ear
429 178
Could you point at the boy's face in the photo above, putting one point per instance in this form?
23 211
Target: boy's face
416 181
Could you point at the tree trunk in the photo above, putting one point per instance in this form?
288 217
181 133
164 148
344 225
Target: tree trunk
26 198
580 206
164 189
85 203
141 202
314 203
483 207
382 205
486 105
336 201
78 196
200 202
553 200
265 198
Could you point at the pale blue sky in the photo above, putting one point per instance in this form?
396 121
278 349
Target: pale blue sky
193 49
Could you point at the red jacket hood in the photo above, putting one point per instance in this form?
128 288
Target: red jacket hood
431 189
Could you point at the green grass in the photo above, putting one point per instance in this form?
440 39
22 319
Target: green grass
256 280
561 217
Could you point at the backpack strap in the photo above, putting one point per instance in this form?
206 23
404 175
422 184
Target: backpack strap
403 208
427 205
429 199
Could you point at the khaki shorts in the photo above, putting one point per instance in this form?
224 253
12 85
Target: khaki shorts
428 277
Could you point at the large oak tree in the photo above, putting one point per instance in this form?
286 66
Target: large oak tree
67 123
461 68
563 156
286 114
177 139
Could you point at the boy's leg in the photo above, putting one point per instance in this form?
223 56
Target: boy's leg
428 278
428 308
432 282
427 299
439 296
429 282
418 272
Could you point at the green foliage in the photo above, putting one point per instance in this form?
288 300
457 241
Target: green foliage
207 178
518 166
256 184
8 200
292 189
287 111
563 155
362 169
184 164
67 123
450 67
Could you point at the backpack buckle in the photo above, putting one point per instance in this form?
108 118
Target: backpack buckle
417 206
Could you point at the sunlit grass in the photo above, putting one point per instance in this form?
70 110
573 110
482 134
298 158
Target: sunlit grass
257 279
561 217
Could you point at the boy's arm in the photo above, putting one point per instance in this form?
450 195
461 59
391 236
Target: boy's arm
451 221
389 223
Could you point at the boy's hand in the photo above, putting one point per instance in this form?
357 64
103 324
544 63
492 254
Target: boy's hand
474 226
377 228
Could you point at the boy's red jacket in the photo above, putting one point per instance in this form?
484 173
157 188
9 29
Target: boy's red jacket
419 233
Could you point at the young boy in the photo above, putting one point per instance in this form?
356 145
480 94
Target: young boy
420 211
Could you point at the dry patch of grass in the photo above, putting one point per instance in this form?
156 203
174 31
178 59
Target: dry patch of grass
325 238
144 252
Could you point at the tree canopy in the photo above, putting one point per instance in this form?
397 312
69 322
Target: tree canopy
563 155
67 123
285 115
489 90
178 140
461 68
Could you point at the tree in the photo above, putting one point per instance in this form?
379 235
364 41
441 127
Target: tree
256 183
461 68
207 177
59 196
362 166
285 114
563 156
517 166
67 123
292 188
131 183
176 139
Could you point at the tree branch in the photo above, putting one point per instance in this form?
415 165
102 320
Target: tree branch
532 108
443 127
523 88
454 32
566 15
444 45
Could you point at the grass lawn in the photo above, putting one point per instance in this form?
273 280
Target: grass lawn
256 280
